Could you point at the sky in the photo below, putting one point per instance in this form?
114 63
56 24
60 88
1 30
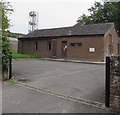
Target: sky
52 13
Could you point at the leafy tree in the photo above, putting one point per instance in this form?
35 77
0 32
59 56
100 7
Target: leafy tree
5 9
103 13
85 19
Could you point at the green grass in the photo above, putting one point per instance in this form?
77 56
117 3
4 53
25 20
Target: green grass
16 55
14 81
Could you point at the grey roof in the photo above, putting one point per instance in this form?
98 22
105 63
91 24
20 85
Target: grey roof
76 30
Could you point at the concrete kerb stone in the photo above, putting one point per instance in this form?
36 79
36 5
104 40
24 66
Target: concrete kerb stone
73 61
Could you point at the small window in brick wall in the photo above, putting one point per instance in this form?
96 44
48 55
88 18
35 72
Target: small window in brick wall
49 45
76 44
36 45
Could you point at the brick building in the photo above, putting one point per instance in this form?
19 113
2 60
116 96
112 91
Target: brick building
85 42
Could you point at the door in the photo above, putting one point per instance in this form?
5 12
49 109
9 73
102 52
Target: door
64 49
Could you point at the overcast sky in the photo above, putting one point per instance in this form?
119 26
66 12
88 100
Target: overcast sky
52 13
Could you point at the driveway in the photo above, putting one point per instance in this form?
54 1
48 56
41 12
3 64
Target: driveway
19 99
70 79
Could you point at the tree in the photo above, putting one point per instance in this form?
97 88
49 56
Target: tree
5 9
86 19
108 12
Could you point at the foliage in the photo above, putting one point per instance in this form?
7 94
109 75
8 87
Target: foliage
85 19
5 10
103 13
15 35
16 55
14 81
6 52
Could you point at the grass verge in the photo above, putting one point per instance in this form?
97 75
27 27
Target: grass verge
16 55
14 81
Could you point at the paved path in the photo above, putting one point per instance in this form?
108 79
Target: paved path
79 80
71 79
19 99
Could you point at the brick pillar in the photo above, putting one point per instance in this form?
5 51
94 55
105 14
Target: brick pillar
115 83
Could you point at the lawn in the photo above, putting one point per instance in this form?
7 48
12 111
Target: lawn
16 55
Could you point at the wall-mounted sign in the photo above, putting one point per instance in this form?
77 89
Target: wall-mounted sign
91 49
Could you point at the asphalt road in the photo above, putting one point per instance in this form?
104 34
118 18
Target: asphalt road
18 99
79 80
71 79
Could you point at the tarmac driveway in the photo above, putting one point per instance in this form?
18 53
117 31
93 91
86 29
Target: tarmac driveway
71 79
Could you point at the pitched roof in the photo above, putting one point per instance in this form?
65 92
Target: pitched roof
76 30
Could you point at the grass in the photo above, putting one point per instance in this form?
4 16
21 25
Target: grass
16 55
14 81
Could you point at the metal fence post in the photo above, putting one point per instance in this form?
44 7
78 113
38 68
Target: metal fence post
107 82
10 67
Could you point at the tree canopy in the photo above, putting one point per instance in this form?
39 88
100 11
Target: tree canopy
103 13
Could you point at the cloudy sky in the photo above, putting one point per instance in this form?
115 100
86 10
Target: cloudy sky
52 13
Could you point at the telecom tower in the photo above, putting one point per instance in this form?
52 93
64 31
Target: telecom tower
33 21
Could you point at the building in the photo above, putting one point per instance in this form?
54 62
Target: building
85 42
14 43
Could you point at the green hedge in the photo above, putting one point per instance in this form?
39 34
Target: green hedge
16 55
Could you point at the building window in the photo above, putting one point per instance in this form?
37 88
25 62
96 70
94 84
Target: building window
91 49
49 45
76 44
36 45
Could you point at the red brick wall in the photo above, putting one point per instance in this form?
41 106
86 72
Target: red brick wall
82 52
28 47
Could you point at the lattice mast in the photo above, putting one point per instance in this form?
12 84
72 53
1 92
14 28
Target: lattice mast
33 21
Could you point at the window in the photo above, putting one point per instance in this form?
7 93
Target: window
49 45
36 45
76 44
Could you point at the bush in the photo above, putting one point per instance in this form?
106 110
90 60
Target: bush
16 55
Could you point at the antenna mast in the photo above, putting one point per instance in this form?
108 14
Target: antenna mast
33 21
